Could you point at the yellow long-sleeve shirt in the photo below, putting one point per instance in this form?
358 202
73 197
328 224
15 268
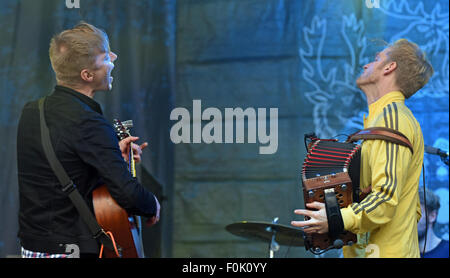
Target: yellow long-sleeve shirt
386 220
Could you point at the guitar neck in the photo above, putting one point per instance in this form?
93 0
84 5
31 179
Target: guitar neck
131 163
122 131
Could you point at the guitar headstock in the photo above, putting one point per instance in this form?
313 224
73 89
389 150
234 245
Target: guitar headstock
122 128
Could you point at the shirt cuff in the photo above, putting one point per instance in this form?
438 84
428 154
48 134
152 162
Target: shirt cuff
348 218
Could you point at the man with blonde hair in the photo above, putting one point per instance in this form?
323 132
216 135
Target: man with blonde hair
85 144
81 58
386 219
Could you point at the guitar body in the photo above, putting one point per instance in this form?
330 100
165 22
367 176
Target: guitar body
113 218
125 228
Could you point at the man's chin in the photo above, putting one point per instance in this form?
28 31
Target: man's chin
104 88
110 81
360 82
107 86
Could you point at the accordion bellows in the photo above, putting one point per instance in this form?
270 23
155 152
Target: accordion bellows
331 165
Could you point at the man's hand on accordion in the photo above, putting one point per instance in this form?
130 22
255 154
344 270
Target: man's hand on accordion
318 222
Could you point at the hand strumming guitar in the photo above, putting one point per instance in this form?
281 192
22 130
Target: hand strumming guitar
153 220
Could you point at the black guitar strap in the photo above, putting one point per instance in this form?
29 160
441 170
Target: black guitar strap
69 188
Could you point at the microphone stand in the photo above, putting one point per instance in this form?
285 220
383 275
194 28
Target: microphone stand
444 159
436 151
273 245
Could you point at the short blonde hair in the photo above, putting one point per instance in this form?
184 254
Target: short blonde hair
413 69
76 49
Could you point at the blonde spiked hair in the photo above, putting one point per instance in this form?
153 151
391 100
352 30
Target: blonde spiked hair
413 69
76 49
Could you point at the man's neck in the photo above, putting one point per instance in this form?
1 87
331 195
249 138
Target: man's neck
432 241
374 92
83 90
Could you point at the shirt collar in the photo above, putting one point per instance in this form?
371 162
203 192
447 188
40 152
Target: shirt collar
89 101
377 107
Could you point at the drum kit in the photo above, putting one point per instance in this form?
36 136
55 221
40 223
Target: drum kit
270 232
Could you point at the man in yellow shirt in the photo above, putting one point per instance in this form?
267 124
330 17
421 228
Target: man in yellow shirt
386 220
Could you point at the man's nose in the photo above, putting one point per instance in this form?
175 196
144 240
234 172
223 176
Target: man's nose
366 66
113 56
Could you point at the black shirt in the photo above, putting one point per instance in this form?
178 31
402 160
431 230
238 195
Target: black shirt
440 251
88 149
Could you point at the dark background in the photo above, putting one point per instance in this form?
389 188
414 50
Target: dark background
301 57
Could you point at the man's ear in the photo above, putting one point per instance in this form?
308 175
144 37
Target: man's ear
86 75
389 67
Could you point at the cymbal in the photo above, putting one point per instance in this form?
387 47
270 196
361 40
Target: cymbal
285 235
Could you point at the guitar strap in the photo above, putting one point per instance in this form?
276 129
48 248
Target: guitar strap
335 223
69 188
381 133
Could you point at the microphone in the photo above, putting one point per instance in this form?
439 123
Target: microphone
436 151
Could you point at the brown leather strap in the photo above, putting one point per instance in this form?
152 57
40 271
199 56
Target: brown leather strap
381 133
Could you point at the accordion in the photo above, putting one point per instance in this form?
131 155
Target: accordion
330 175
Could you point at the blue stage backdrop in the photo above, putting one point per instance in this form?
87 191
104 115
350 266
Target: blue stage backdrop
301 57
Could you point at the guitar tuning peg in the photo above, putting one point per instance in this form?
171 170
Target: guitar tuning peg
128 124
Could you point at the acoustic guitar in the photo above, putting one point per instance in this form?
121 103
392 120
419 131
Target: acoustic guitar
125 229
